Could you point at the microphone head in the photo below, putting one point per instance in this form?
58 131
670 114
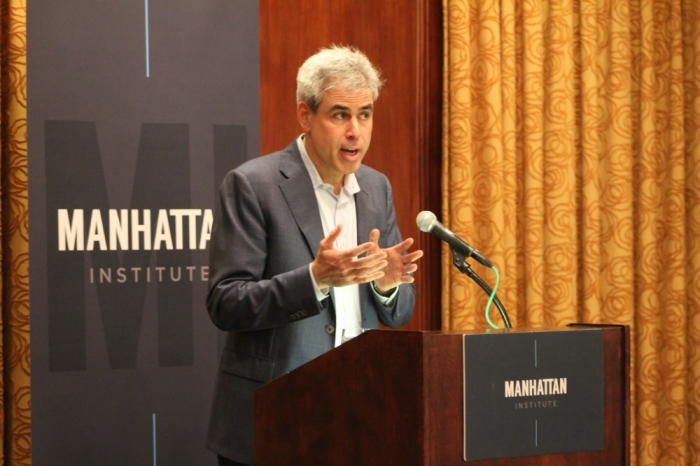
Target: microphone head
426 220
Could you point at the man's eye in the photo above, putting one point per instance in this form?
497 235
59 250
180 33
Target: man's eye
339 116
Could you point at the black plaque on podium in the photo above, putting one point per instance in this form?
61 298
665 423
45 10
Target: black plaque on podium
532 393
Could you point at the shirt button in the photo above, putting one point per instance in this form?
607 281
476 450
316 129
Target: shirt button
330 329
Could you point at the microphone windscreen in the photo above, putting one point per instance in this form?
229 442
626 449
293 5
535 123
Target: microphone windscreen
425 221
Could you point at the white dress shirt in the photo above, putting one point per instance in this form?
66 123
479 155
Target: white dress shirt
334 211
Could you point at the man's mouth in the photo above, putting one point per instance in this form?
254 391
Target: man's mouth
350 152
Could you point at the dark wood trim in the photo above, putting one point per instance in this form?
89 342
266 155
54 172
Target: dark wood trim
430 85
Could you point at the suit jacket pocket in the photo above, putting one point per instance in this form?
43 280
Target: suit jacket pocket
245 365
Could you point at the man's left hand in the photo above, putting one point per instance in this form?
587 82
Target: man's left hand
399 265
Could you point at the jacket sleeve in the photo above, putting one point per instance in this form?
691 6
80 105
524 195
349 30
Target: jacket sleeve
241 295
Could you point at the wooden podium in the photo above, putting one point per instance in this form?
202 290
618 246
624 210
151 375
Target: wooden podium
395 398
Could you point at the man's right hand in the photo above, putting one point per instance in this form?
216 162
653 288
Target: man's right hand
333 267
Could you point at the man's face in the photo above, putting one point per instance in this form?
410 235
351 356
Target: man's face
338 134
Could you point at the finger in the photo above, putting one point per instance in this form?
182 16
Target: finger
328 241
363 267
361 249
348 269
372 253
369 278
361 276
413 256
370 268
403 245
373 240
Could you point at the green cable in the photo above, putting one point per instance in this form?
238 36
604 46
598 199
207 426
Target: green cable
493 295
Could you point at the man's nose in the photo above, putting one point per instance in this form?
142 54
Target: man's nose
353 128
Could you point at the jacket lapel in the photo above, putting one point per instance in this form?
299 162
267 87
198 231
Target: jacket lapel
365 210
366 220
299 194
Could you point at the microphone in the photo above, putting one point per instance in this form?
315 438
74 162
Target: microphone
428 223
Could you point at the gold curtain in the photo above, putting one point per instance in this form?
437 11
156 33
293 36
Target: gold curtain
572 160
14 350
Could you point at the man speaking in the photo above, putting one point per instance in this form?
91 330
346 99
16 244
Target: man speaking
304 248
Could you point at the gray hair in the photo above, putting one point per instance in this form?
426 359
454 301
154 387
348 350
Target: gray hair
336 66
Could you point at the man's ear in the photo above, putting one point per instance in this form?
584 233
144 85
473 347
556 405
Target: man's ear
304 116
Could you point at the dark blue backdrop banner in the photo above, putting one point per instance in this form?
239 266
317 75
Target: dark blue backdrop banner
136 112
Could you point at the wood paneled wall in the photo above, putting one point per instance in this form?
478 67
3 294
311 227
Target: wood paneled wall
404 39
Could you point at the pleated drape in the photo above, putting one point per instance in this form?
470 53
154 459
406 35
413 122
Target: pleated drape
572 161
14 350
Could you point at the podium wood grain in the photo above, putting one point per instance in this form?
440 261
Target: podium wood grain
396 398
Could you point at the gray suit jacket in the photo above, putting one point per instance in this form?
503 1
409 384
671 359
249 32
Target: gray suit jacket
267 229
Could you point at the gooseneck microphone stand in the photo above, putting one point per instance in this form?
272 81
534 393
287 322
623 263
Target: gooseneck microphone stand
460 261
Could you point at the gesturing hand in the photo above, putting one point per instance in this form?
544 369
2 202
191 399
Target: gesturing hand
398 265
332 267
